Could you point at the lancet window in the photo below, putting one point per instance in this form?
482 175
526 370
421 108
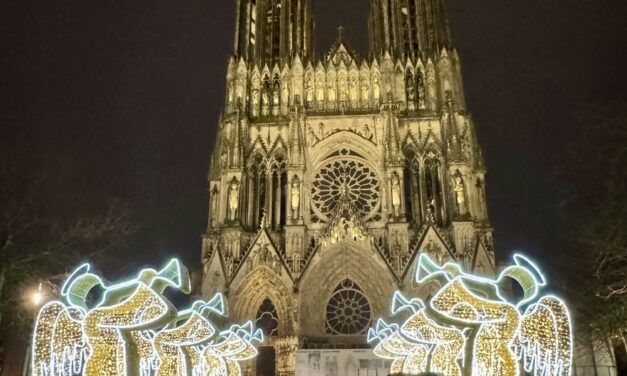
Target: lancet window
257 189
410 89
412 180
267 190
277 209
272 29
433 190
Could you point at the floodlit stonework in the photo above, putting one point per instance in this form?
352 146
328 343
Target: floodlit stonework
331 175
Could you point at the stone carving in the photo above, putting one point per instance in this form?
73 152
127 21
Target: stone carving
214 206
233 199
396 195
295 196
460 193
357 180
265 103
296 241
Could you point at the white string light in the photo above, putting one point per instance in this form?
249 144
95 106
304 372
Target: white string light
134 330
469 324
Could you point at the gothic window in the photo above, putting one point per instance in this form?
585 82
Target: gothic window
410 88
272 29
257 189
345 176
348 310
420 85
277 211
433 187
267 318
411 174
253 22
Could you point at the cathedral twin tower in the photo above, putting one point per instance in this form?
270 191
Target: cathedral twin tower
275 31
330 176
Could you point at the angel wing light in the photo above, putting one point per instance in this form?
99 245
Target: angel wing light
131 328
470 327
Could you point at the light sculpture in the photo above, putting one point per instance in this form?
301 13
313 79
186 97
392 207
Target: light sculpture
470 327
132 329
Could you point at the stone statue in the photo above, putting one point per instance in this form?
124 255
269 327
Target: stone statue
309 90
285 96
295 196
255 100
331 93
376 89
312 136
239 94
320 96
365 132
275 99
233 199
214 207
230 95
365 93
431 91
396 195
265 103
353 91
460 196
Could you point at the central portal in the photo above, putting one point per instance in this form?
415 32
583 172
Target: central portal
266 361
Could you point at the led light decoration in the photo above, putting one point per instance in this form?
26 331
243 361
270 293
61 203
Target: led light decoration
132 329
470 327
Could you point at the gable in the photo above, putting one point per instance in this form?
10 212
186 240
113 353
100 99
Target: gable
432 244
262 252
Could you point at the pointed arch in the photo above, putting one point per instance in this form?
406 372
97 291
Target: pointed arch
259 285
362 264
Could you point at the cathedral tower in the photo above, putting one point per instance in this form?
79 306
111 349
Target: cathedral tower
406 28
330 177
273 31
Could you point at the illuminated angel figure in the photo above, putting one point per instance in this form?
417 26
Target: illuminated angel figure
470 313
407 357
132 329
174 344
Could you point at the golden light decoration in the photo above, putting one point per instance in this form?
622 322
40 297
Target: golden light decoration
470 327
132 329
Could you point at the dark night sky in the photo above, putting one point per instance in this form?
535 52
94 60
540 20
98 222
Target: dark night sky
121 99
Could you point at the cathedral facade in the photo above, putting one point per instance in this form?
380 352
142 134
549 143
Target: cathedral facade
330 175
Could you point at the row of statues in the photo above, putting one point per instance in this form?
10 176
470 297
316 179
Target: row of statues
233 197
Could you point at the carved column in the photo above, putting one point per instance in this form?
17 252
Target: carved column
277 202
268 193
251 201
286 356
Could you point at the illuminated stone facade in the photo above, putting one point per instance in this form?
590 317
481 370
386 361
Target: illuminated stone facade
330 176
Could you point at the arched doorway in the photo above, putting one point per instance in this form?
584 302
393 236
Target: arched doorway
268 321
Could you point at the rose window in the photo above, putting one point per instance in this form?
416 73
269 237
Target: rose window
348 311
350 177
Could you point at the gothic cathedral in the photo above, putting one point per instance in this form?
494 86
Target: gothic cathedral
331 175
